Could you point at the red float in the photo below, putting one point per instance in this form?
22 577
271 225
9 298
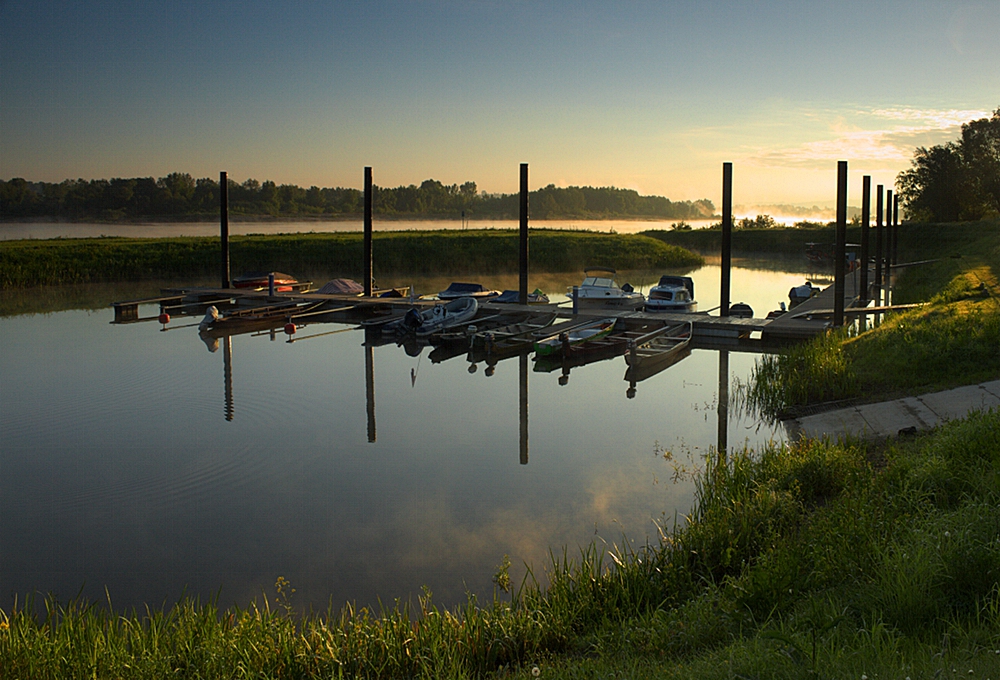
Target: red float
290 328
164 318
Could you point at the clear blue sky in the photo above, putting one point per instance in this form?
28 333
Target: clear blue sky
647 95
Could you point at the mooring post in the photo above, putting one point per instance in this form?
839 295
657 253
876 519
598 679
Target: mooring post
224 225
840 252
866 208
887 255
879 237
576 300
367 255
895 227
522 295
727 236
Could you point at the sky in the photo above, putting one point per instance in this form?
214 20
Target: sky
651 96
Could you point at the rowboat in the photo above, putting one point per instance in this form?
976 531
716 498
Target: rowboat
656 351
283 283
512 337
575 340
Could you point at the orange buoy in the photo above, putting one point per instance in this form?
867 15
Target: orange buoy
164 318
290 328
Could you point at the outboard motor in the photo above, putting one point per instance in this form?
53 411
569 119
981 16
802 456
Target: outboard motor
412 319
211 316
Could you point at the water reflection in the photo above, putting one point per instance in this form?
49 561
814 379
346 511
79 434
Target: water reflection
370 390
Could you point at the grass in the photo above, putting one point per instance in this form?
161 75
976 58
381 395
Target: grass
30 263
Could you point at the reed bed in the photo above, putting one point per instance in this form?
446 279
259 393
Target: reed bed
30 263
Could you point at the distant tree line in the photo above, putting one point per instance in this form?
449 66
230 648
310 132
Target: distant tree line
179 195
957 181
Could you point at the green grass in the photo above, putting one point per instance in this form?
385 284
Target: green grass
31 263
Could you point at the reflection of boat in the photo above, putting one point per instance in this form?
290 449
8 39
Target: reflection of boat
656 351
575 340
600 290
436 319
536 297
460 290
672 294
248 320
283 283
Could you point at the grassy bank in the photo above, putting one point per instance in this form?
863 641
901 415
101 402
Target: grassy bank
951 341
64 261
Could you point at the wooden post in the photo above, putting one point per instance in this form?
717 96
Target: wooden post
840 251
224 225
367 255
895 228
522 296
727 236
879 237
866 207
887 255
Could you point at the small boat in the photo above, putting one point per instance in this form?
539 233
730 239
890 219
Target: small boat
600 290
799 294
262 318
672 294
513 337
474 290
353 288
436 319
283 283
575 339
656 351
536 297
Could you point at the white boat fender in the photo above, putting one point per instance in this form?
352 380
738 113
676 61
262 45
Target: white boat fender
211 316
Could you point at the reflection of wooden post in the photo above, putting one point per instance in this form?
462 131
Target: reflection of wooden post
367 255
224 225
723 401
727 235
840 252
522 291
370 389
866 207
523 403
227 361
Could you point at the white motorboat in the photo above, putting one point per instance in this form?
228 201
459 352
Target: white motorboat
600 290
672 294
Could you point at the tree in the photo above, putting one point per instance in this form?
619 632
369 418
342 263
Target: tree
981 153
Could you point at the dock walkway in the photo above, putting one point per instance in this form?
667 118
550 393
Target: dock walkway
899 416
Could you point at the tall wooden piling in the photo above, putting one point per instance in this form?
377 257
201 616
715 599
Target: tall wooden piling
840 251
895 228
367 255
522 291
866 207
224 225
879 237
727 237
887 255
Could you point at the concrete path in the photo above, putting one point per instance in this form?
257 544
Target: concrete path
890 418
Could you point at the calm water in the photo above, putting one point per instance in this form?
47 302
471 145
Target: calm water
124 466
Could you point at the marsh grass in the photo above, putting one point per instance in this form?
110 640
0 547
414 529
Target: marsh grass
31 263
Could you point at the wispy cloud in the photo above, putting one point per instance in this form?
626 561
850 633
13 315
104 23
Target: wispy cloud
882 136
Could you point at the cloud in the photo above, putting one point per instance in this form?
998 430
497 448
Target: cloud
869 139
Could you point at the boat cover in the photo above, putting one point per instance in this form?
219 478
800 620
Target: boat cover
342 287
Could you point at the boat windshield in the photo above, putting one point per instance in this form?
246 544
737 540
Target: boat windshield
599 282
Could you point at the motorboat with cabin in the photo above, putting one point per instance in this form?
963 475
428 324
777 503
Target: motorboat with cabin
672 294
599 290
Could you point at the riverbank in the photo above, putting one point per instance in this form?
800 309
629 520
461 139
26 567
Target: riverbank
29 263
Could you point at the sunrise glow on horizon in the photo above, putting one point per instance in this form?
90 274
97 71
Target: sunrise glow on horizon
645 96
